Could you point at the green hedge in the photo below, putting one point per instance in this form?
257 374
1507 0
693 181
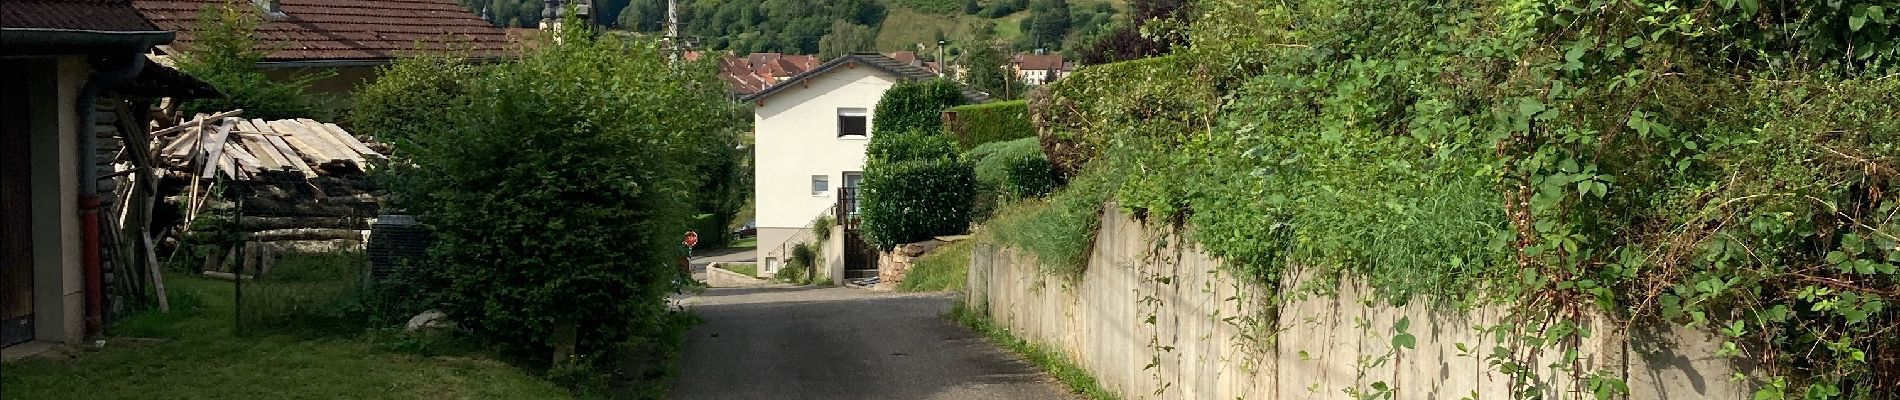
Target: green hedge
907 146
977 124
910 201
915 106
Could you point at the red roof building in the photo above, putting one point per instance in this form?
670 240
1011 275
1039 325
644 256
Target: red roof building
314 32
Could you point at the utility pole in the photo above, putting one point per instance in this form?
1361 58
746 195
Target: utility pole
673 26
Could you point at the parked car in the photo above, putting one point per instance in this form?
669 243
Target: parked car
750 229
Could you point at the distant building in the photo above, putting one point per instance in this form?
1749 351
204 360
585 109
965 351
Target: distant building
810 132
757 71
1038 69
348 38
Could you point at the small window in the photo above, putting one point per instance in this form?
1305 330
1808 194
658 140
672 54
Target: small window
820 184
853 122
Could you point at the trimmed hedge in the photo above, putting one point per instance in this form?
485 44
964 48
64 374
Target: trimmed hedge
910 201
908 146
915 105
978 124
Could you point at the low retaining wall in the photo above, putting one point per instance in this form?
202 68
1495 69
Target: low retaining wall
1166 325
720 277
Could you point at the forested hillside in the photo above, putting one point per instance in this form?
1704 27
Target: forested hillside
833 27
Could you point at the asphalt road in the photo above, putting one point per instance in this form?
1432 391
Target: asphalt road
842 343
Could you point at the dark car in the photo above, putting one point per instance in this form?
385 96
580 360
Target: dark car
750 229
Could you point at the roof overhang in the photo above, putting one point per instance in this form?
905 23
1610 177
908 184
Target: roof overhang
41 41
359 62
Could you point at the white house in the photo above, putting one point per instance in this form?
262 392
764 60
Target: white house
810 133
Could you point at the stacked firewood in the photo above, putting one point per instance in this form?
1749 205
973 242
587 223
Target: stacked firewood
289 185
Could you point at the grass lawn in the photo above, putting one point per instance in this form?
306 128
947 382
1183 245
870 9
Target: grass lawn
745 243
749 269
196 355
942 269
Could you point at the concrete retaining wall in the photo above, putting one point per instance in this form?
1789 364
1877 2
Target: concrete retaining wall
1167 325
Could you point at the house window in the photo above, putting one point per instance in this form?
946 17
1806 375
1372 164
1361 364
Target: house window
820 184
853 122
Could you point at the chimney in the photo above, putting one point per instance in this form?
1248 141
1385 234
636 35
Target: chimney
271 8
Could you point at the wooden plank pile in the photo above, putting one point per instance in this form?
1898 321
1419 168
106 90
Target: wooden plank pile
241 149
288 185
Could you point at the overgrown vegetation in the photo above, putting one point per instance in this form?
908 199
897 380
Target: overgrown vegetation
571 249
224 53
943 269
1727 166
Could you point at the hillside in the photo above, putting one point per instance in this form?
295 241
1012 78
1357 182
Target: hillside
832 27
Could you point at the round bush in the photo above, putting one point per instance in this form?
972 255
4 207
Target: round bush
911 201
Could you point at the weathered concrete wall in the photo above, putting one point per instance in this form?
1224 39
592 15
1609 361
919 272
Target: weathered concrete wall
720 277
1167 325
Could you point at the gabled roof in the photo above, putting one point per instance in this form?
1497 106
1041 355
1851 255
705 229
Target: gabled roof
1042 62
900 69
73 15
370 31
75 27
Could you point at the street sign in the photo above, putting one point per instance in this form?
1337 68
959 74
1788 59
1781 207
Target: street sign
692 239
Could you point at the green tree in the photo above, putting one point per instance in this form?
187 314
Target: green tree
1048 24
971 7
846 38
988 70
558 189
225 53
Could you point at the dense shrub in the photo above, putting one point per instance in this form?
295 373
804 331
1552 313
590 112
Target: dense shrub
551 215
224 53
977 124
1151 104
914 105
1012 169
908 146
409 97
910 201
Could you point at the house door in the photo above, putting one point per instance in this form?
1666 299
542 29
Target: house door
16 215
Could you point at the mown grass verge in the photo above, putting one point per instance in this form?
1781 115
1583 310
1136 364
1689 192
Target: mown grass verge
1051 360
196 354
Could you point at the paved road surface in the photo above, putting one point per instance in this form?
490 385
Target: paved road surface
797 343
726 255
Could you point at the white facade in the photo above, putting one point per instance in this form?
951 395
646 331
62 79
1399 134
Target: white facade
796 131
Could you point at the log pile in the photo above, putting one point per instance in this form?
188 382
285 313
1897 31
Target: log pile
288 185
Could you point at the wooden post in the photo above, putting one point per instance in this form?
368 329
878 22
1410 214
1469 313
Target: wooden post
158 278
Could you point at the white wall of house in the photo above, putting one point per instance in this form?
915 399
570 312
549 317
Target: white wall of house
796 132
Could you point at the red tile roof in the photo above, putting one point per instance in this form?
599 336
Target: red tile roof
311 30
88 15
1044 62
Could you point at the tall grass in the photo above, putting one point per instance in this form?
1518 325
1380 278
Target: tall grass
942 270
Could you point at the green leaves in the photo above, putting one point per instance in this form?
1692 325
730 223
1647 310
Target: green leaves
1401 338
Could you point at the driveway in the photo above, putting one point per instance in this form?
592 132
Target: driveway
725 255
842 343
